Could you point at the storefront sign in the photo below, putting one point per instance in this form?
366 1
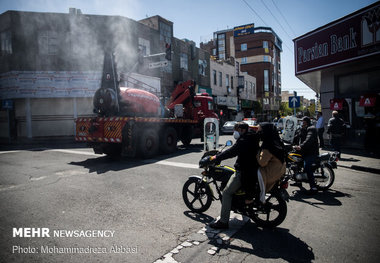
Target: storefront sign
336 104
49 84
350 38
367 101
227 101
244 30
247 104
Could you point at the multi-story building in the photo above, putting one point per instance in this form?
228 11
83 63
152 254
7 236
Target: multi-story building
233 91
51 63
257 50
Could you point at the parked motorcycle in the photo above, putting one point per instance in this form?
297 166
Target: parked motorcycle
323 168
198 194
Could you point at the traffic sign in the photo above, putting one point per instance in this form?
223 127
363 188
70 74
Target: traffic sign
158 64
294 102
7 104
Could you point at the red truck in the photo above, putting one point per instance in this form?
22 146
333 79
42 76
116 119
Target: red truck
132 122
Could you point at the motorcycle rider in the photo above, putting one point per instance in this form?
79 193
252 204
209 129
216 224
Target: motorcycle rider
271 158
309 150
245 148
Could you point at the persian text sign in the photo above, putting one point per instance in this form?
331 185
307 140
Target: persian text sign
350 38
244 30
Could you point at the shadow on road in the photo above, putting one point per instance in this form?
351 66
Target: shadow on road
202 218
271 244
103 164
329 198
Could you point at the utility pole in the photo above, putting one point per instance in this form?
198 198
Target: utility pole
295 95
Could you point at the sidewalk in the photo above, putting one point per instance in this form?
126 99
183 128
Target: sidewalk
358 160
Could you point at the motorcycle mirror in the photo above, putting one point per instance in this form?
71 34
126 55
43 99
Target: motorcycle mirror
228 143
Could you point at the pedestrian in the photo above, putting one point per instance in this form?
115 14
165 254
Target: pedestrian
336 129
271 158
320 129
245 148
309 150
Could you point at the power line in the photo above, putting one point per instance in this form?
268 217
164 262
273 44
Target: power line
291 51
254 12
275 19
284 18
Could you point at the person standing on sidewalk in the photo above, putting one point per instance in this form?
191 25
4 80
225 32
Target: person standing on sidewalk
309 150
335 128
320 129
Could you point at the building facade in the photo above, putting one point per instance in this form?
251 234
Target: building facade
233 91
257 50
341 63
51 65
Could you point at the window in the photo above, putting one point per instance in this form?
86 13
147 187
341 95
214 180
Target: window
165 33
232 82
214 76
183 61
266 80
244 60
47 43
220 79
214 51
5 43
222 56
266 59
243 47
265 44
144 46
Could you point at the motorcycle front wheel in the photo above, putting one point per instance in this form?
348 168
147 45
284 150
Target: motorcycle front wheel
324 177
273 212
197 195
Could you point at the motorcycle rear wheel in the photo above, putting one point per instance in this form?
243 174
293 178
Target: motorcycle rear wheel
197 195
273 212
324 178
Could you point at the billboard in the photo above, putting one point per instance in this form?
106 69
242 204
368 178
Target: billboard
244 30
350 38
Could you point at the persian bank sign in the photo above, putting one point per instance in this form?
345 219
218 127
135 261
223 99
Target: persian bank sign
244 30
352 37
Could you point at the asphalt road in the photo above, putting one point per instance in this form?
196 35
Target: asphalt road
140 202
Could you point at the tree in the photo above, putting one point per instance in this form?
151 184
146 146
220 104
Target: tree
285 110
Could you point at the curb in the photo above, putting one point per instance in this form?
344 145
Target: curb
361 168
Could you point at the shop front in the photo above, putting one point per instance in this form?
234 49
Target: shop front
227 108
341 62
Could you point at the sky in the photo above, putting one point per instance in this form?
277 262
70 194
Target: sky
197 19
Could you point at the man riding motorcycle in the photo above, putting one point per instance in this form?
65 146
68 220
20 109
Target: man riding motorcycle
245 148
309 149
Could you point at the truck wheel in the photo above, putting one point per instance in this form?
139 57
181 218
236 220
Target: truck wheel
168 142
148 144
187 135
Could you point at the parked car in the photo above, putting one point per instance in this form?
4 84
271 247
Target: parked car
228 127
252 123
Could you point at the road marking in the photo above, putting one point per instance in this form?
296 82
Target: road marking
175 164
74 152
53 150
9 152
206 238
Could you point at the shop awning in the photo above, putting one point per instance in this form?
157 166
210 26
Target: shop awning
336 104
367 101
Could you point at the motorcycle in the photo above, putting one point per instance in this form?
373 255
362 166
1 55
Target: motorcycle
323 168
198 194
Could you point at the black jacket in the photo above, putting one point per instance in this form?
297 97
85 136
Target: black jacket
336 126
309 141
246 149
